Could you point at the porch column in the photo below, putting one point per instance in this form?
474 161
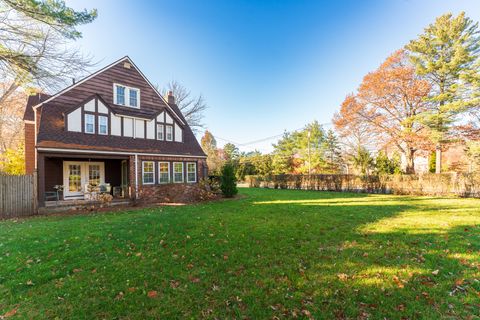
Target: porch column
41 179
131 176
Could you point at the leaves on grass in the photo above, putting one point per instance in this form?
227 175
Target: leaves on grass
152 294
435 272
10 313
398 282
342 276
174 284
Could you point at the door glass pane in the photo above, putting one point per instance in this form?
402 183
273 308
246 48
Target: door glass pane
94 174
74 178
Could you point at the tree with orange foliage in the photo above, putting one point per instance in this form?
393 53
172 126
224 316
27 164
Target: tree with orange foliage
386 107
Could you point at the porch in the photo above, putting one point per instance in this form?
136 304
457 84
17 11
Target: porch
71 180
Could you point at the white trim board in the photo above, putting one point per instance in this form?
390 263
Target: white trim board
118 152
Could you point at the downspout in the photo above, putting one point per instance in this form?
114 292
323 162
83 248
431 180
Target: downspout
136 175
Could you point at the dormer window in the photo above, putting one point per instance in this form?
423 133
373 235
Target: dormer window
126 96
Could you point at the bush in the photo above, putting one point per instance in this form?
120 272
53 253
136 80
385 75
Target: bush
228 183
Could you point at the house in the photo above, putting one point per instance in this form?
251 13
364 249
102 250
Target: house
111 128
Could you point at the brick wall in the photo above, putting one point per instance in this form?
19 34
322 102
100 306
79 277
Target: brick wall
164 192
29 148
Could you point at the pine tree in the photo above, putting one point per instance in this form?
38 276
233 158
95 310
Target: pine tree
447 54
228 183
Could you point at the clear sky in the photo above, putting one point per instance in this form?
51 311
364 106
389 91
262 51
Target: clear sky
263 66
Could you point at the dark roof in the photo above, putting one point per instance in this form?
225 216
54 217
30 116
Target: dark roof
52 133
33 101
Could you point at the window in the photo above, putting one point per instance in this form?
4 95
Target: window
160 134
94 174
126 96
120 94
191 172
177 172
102 125
133 94
89 123
148 172
164 172
169 133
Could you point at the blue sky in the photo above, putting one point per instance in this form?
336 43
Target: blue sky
263 66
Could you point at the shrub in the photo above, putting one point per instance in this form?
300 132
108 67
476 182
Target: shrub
228 183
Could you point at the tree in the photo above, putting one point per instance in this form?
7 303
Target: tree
363 161
385 165
228 183
388 103
12 161
283 153
209 146
35 51
192 107
231 152
447 55
332 152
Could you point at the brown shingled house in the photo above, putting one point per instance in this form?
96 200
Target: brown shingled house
111 128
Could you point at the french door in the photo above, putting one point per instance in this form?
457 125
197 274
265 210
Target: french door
77 174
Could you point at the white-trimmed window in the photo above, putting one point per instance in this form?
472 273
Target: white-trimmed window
148 172
178 172
191 172
163 172
89 123
102 125
169 133
126 96
160 133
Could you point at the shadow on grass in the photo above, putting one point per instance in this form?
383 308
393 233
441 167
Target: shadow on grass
276 253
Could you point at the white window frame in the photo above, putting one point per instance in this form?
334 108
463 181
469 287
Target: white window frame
143 172
194 171
106 125
162 131
166 132
127 95
183 172
160 172
87 115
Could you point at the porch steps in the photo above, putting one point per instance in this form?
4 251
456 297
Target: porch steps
73 205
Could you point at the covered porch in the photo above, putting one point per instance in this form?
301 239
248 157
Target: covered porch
73 179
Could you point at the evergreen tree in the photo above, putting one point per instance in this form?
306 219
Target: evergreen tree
363 161
228 183
332 152
385 165
447 54
231 152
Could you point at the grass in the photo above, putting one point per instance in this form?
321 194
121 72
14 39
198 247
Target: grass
273 253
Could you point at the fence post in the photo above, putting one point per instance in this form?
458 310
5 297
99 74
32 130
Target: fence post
35 192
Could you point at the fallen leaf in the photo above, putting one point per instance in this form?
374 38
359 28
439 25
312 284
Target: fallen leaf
398 282
342 276
195 280
189 266
10 313
174 284
131 289
152 294
435 272
225 257
119 296
29 283
77 270
94 271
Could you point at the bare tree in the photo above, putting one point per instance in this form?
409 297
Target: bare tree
192 107
34 56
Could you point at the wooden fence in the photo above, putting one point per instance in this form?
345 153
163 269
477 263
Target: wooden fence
18 196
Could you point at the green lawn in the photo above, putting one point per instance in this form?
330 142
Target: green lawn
272 253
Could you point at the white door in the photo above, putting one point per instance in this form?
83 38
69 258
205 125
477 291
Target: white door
77 174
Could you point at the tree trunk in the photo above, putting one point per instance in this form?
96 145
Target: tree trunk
438 159
410 168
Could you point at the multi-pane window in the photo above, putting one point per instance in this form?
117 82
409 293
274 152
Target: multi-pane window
120 94
148 172
191 172
160 134
126 96
164 172
169 133
89 123
94 174
102 125
178 172
133 93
